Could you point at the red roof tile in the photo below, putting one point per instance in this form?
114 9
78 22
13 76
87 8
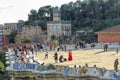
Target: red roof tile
112 29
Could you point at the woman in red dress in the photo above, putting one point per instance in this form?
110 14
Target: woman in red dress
70 56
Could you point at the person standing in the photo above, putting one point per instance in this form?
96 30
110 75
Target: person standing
70 55
65 47
76 45
50 47
117 50
58 47
105 47
46 54
116 63
56 57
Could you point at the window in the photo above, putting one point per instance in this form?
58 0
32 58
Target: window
54 27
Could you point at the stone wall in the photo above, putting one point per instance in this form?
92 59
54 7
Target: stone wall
27 75
50 72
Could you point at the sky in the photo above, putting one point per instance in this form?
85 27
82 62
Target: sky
14 10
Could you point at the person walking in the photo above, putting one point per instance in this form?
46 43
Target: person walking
46 54
116 63
56 57
117 50
65 47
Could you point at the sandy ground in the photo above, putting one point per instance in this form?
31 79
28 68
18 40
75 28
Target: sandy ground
92 57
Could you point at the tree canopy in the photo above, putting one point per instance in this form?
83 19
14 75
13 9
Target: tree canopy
93 14
11 37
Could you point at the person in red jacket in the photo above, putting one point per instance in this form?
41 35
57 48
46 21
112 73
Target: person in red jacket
70 55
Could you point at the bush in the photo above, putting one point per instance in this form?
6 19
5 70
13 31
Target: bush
50 66
3 74
1 66
2 56
26 40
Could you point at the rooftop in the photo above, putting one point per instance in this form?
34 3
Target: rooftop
111 30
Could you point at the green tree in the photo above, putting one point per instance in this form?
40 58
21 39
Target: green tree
11 37
41 17
32 16
53 37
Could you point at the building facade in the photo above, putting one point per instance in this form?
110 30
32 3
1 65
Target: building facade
1 37
3 40
10 27
110 35
58 27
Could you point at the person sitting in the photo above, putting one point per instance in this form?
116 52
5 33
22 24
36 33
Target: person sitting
61 58
93 45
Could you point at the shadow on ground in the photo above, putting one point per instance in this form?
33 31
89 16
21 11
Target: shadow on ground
104 51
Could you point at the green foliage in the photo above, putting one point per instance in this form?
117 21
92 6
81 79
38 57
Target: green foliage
2 66
3 74
11 37
2 57
89 38
26 39
40 17
50 66
63 39
33 15
54 42
53 37
81 13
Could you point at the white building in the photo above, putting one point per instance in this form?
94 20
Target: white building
58 27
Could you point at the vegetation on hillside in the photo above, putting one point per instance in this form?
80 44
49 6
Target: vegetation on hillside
3 74
93 14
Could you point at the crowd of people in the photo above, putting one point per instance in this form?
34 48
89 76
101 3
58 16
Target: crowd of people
59 47
59 58
26 53
23 54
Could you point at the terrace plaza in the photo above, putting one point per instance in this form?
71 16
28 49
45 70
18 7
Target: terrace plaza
82 56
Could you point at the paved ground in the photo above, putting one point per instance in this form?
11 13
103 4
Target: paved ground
80 57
